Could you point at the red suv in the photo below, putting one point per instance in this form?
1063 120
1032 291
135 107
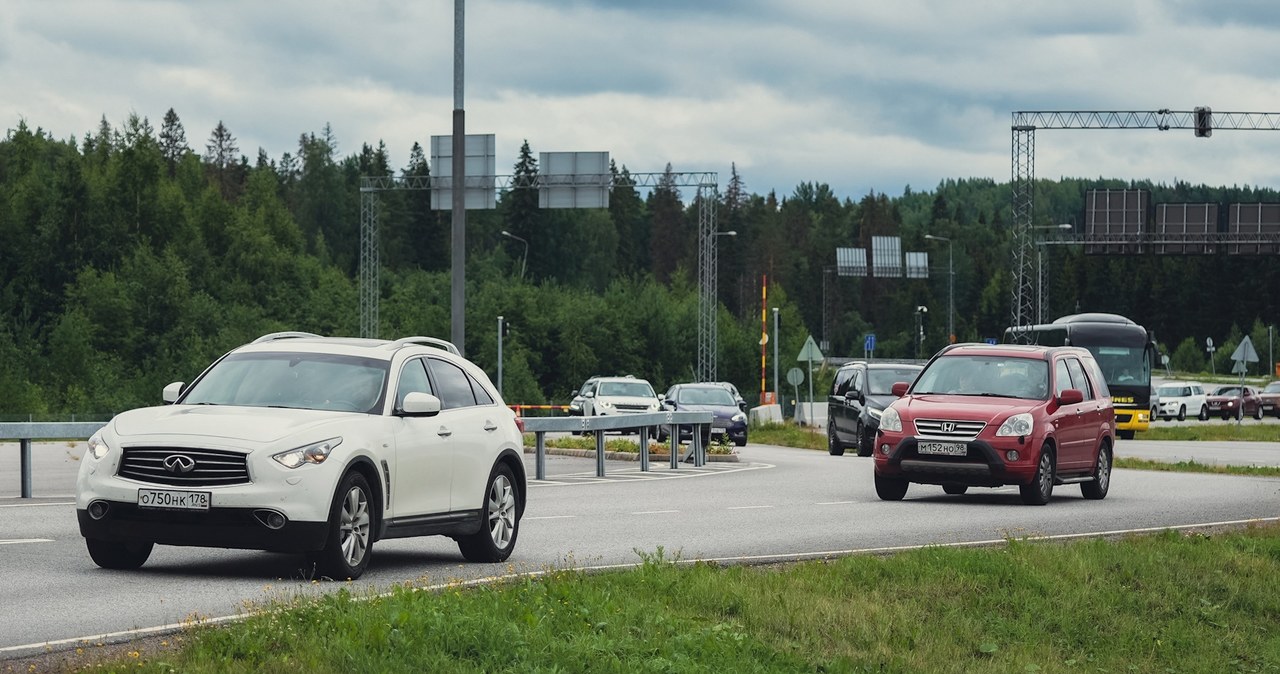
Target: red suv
983 415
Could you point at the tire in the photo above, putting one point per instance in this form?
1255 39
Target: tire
1097 489
890 488
866 442
350 541
1182 413
1204 413
118 555
834 446
1257 413
500 520
955 489
1041 487
742 442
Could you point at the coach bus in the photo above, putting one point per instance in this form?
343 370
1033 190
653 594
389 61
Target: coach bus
1125 351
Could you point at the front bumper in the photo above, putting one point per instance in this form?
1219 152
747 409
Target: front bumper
216 528
984 465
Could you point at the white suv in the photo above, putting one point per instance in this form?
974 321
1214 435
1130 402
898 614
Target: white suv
306 444
619 395
1181 398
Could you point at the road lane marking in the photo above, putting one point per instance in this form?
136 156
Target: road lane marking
14 541
551 517
36 505
655 512
755 507
836 503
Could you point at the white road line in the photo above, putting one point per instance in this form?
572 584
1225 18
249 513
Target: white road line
836 503
755 507
14 541
551 517
655 512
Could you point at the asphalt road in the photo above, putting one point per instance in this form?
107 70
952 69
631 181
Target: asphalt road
775 504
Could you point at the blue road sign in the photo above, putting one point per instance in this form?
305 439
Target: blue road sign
870 344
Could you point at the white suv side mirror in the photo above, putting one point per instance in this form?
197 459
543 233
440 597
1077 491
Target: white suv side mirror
172 391
418 404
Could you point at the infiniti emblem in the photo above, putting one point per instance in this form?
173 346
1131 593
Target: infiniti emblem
947 427
179 463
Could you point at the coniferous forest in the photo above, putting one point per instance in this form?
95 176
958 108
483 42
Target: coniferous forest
133 256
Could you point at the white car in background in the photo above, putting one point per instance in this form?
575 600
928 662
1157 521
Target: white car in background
312 445
1179 399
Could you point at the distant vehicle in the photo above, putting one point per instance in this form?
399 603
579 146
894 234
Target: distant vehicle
859 394
1270 396
1123 349
612 396
983 415
1180 398
727 419
1235 402
314 445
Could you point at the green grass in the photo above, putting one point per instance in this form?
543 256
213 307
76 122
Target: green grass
1211 431
1196 467
788 434
1170 602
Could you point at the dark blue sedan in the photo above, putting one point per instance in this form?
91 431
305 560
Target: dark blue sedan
728 420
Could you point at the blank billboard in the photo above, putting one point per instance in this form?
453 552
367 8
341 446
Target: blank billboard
886 257
917 265
851 261
479 162
1185 229
1115 220
573 180
1253 228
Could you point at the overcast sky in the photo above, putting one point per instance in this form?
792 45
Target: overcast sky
863 95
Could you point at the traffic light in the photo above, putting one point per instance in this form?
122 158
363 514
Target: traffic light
1204 122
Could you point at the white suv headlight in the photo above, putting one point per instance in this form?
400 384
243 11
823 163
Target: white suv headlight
98 448
314 453
1017 425
890 421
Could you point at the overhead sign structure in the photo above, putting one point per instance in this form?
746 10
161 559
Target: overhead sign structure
573 180
480 179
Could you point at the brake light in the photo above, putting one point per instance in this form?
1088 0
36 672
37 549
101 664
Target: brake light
520 424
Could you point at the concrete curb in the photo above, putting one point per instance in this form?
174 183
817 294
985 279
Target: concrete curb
626 456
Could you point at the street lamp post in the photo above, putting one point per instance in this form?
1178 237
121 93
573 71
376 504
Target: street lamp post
524 260
951 286
1040 296
920 312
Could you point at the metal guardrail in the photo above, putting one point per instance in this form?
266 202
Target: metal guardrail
25 432
643 423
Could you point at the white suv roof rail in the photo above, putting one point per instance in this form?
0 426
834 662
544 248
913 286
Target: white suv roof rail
424 341
283 335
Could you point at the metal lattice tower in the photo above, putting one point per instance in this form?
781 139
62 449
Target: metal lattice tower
369 262
708 302
1202 120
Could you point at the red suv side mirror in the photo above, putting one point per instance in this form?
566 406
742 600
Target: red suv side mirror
1071 396
900 388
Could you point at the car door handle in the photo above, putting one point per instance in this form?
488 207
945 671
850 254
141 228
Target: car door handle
444 432
490 426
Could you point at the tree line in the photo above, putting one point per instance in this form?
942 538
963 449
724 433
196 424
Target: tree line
131 259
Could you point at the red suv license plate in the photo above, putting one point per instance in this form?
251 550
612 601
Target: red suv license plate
943 448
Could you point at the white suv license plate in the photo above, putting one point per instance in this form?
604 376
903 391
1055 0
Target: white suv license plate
173 500
943 448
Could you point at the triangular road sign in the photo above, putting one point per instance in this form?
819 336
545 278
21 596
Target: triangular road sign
1245 351
810 351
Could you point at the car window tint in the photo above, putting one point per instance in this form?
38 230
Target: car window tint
452 383
1078 378
1061 378
481 394
413 379
841 384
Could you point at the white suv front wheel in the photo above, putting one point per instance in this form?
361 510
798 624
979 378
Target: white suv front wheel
347 547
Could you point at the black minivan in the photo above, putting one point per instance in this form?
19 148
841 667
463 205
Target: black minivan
858 395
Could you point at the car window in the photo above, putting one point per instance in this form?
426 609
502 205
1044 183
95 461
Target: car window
482 394
1099 381
1078 378
413 379
637 389
880 381
1061 377
1273 387
706 396
1227 391
452 383
982 375
841 384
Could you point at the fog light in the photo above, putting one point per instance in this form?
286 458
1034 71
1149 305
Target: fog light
884 449
1012 454
98 509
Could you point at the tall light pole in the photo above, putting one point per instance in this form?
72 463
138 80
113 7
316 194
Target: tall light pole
920 312
1040 269
524 260
951 286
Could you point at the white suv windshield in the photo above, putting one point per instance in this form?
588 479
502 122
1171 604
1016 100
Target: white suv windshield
633 389
301 380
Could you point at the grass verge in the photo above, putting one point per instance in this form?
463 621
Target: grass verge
1196 467
1219 431
1172 602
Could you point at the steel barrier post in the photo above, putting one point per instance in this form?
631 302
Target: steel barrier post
599 453
675 446
24 448
644 449
540 455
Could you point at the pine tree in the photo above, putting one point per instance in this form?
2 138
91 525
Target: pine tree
220 156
